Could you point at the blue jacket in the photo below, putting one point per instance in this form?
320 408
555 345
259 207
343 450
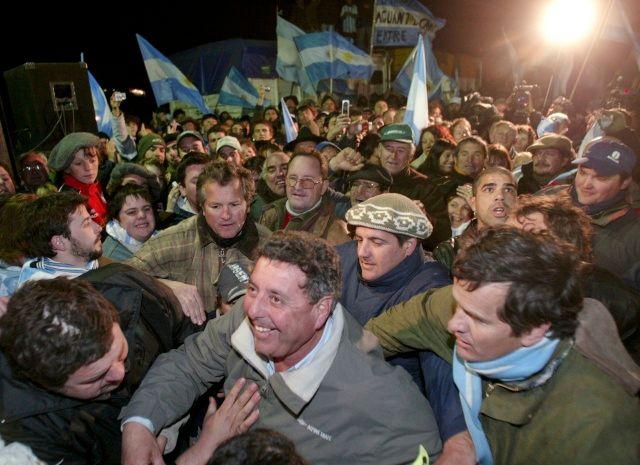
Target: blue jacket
367 299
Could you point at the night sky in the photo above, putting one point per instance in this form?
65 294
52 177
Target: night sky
63 31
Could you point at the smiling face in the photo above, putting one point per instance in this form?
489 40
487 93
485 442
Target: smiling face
549 162
446 162
593 188
275 172
136 217
494 199
302 199
396 156
102 376
285 325
380 252
459 211
225 208
480 334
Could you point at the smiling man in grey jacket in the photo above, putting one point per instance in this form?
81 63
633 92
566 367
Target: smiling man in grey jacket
294 341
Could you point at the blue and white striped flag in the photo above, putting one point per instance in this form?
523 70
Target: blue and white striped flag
289 128
288 64
417 114
237 91
167 81
100 106
435 76
618 28
328 55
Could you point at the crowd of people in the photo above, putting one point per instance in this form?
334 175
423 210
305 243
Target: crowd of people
204 291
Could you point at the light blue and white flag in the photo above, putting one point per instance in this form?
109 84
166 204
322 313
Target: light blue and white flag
100 106
397 23
435 76
238 91
328 55
167 81
417 114
288 64
516 67
289 128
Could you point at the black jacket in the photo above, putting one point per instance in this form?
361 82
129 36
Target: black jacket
88 432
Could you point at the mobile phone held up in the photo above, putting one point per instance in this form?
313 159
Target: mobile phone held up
119 96
345 107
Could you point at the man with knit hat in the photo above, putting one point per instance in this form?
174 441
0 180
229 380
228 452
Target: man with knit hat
152 147
552 155
385 266
75 159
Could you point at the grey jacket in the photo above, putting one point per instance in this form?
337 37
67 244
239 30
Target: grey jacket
345 406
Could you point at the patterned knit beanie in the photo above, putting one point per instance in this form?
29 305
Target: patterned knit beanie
393 213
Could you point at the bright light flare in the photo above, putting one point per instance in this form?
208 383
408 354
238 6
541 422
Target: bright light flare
566 21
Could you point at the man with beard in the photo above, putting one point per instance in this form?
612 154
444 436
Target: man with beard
62 236
271 185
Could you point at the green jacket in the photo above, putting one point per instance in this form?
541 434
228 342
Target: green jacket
580 416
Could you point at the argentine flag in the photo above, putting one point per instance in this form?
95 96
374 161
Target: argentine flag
435 76
237 91
289 128
167 81
328 55
417 114
100 106
288 64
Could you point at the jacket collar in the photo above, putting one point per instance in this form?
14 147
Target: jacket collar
294 388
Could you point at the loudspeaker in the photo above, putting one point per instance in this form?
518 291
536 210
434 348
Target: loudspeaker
49 101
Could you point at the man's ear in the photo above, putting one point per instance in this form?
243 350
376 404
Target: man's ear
533 336
322 309
183 190
58 243
472 203
409 246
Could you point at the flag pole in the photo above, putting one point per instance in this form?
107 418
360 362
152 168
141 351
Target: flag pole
551 79
331 61
594 37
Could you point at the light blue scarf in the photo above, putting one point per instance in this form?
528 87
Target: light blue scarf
515 366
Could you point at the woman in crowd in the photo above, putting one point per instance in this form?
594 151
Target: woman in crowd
132 221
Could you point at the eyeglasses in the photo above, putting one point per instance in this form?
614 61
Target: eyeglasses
305 183
33 167
367 185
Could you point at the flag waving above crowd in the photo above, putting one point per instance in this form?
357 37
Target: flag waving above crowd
397 23
167 81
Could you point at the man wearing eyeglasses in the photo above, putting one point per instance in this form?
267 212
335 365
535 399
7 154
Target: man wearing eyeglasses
34 174
306 206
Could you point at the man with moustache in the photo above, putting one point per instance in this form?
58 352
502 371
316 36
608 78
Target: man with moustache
271 185
188 256
552 155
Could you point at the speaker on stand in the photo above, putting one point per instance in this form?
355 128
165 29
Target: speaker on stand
48 101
